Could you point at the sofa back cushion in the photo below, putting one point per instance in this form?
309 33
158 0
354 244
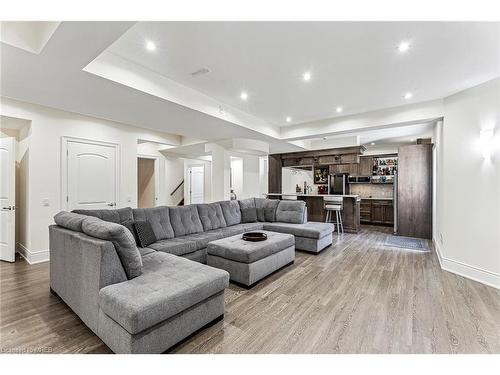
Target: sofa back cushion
121 238
291 212
266 209
211 216
159 218
114 216
185 220
248 210
231 211
70 220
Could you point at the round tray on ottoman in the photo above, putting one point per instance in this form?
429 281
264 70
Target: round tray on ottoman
254 236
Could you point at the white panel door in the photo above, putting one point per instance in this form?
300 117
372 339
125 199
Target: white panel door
91 175
7 199
197 185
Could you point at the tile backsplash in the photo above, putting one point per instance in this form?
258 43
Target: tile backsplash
372 190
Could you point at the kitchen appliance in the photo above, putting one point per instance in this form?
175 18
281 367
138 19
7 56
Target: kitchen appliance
359 179
337 184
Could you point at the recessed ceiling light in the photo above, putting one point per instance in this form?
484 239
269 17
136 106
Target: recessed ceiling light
150 46
243 96
288 119
339 109
307 76
403 47
373 143
408 95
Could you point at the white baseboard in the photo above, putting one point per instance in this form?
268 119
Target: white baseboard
471 272
33 257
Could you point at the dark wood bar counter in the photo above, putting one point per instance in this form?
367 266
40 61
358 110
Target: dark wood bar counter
315 211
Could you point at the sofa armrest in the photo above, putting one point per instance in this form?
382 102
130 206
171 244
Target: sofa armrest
80 266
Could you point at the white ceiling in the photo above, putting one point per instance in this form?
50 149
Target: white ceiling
355 65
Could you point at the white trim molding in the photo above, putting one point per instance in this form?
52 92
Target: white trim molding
33 257
470 272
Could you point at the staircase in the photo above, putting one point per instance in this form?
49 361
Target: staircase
181 201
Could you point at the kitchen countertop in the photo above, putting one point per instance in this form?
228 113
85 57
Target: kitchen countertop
316 195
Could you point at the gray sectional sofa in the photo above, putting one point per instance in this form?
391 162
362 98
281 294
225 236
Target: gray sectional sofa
147 299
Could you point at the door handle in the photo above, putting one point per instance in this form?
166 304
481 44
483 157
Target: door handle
112 204
9 208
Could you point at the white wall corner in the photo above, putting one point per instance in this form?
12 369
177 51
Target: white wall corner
32 257
470 272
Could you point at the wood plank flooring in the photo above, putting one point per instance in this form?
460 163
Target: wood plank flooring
358 296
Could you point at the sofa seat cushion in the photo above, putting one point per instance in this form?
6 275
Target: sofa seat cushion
236 249
211 216
202 239
175 246
145 251
185 220
169 285
117 216
159 218
233 229
249 227
311 229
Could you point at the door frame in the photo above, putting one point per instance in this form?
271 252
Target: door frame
157 175
12 244
65 140
189 180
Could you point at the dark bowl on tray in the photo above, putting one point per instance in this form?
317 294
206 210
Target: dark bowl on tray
254 236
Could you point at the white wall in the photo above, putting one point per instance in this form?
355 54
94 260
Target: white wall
468 187
47 127
263 178
291 177
237 176
245 176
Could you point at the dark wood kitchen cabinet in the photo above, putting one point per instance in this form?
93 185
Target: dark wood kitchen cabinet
351 169
379 211
365 166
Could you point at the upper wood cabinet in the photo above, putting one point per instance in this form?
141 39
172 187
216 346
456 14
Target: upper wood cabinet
349 158
365 166
330 159
296 162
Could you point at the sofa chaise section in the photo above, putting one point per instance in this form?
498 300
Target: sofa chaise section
311 236
170 293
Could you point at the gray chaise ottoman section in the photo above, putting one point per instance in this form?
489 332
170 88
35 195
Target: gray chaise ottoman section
173 298
311 236
248 262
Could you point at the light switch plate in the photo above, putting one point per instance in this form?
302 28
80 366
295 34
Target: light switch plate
46 202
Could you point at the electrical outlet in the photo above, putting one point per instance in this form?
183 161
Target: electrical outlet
46 202
441 238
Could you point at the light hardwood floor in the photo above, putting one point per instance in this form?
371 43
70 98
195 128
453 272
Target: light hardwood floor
358 296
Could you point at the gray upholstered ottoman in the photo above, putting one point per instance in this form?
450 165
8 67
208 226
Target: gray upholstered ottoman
248 262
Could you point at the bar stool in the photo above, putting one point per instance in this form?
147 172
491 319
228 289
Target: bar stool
334 204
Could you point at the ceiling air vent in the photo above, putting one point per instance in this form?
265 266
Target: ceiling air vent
200 72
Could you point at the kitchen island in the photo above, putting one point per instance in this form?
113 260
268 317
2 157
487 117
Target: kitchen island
316 212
